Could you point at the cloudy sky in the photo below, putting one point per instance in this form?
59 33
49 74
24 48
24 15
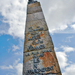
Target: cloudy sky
60 18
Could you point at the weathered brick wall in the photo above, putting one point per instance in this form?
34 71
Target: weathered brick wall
39 55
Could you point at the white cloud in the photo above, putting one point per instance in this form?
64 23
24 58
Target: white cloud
6 67
14 13
62 58
7 39
68 39
15 48
67 66
59 14
73 26
55 48
19 67
59 28
67 48
70 70
18 53
16 62
16 68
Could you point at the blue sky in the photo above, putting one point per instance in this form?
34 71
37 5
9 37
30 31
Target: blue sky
60 18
